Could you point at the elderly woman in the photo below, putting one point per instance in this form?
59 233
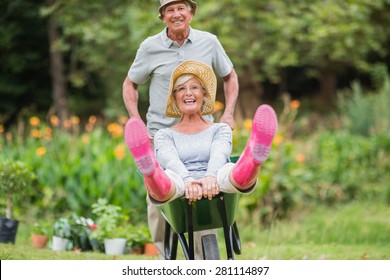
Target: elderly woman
191 158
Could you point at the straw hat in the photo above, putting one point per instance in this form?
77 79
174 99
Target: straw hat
204 73
165 2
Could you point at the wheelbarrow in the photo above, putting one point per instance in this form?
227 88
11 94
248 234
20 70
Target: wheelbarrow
185 218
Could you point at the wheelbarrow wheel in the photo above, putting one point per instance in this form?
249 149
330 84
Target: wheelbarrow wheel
210 247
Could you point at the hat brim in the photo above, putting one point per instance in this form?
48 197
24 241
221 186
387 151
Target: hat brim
203 72
192 3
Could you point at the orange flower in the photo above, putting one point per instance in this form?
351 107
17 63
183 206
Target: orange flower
115 129
54 120
41 151
92 119
300 158
218 106
48 133
123 119
119 152
75 120
89 127
67 124
85 139
1 128
278 139
294 104
248 124
8 136
36 133
34 121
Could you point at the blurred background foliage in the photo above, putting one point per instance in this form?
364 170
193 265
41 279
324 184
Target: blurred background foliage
68 57
323 65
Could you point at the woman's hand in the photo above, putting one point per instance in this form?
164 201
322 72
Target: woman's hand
209 186
193 191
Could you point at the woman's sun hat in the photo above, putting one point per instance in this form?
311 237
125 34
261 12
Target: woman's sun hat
165 2
205 74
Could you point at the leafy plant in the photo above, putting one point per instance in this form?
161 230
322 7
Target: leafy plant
109 220
62 228
138 236
80 231
41 228
16 179
356 109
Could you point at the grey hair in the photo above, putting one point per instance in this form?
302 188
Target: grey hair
185 78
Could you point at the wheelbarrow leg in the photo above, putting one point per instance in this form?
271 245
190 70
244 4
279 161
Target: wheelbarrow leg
236 239
227 230
170 249
184 245
190 232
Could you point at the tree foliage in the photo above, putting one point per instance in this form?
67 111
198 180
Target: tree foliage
24 74
325 39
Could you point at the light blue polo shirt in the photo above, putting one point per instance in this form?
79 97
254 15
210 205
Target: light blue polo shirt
156 58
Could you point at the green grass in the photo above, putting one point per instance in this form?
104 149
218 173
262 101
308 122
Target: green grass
349 232
359 230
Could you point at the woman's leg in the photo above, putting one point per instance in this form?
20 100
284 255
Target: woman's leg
157 183
244 173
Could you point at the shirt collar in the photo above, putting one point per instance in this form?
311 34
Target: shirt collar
168 42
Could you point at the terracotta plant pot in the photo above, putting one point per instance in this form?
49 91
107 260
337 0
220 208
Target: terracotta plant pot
150 250
39 241
137 251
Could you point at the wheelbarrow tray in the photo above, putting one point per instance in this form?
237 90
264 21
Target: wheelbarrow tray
206 214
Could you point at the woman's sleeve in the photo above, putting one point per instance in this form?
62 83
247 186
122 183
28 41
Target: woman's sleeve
220 149
167 156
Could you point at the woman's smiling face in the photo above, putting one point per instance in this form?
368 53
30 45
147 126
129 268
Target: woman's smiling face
189 96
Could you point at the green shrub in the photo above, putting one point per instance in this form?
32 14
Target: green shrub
76 168
109 220
16 181
366 113
42 228
347 166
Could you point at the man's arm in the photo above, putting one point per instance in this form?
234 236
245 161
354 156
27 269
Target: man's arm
230 86
130 97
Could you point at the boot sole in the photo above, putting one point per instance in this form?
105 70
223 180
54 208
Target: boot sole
137 140
265 125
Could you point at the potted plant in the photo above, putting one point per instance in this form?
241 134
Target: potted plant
40 235
140 241
61 234
110 224
80 232
16 181
150 248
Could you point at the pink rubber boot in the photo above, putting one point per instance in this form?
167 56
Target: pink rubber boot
157 182
264 127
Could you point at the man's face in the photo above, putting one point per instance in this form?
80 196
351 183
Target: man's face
177 16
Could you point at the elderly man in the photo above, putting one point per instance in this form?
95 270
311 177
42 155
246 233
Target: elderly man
156 58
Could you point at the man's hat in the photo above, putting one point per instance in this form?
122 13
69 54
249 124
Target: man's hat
205 74
165 2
